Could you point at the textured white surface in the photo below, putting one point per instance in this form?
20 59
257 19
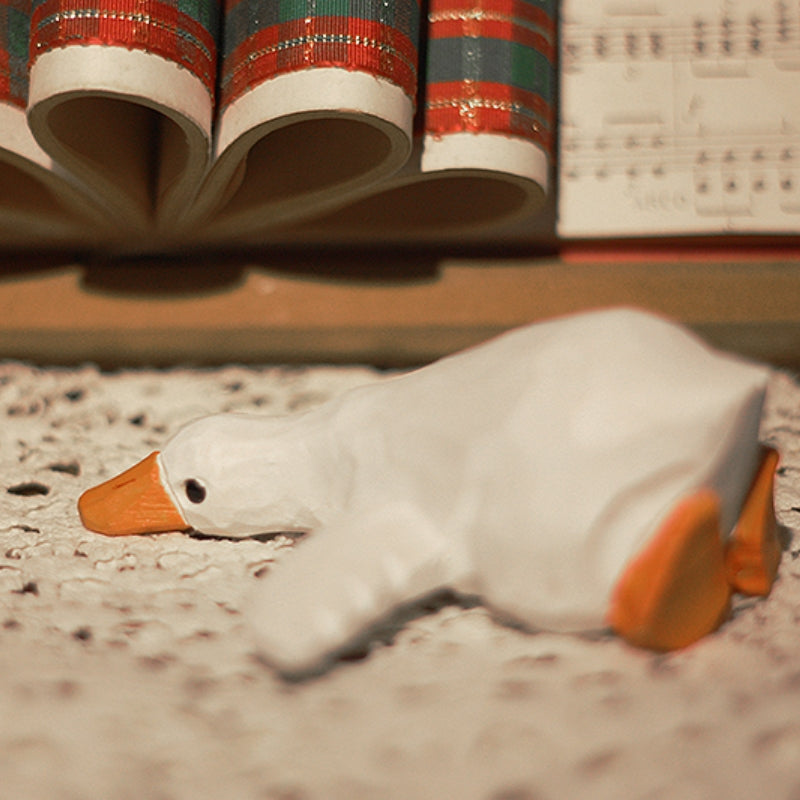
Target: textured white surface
128 671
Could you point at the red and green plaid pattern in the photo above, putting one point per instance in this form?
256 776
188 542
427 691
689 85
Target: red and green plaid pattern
265 38
489 63
14 25
490 66
183 31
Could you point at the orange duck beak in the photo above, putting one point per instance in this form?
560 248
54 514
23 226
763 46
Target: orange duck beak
136 501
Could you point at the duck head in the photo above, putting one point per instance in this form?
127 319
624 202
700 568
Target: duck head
229 474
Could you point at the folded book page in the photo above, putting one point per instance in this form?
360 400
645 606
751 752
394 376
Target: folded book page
123 99
485 127
316 100
39 201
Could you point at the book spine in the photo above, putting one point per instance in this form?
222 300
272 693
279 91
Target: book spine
14 27
265 39
182 32
491 68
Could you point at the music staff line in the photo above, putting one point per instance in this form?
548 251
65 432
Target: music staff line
729 180
732 170
704 195
763 151
662 42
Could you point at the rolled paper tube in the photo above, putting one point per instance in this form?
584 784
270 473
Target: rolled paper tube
38 205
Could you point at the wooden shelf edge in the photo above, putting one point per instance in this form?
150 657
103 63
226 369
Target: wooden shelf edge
55 316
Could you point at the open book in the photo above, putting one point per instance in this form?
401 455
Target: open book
158 123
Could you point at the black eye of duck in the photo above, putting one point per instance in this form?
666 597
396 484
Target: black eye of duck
195 491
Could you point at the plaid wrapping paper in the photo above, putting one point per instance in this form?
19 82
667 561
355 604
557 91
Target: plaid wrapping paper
265 38
182 31
489 63
14 26
490 68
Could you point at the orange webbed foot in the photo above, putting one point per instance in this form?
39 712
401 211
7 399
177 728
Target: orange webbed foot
754 551
676 590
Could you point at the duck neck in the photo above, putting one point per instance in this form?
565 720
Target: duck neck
315 474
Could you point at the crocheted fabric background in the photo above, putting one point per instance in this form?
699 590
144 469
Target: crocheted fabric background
128 672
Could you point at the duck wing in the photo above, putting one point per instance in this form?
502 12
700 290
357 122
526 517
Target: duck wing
330 593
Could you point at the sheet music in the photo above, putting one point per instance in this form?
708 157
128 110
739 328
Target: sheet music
679 117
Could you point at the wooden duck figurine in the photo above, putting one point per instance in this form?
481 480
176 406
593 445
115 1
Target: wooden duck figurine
601 470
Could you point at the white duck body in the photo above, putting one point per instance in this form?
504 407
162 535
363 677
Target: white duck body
528 471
